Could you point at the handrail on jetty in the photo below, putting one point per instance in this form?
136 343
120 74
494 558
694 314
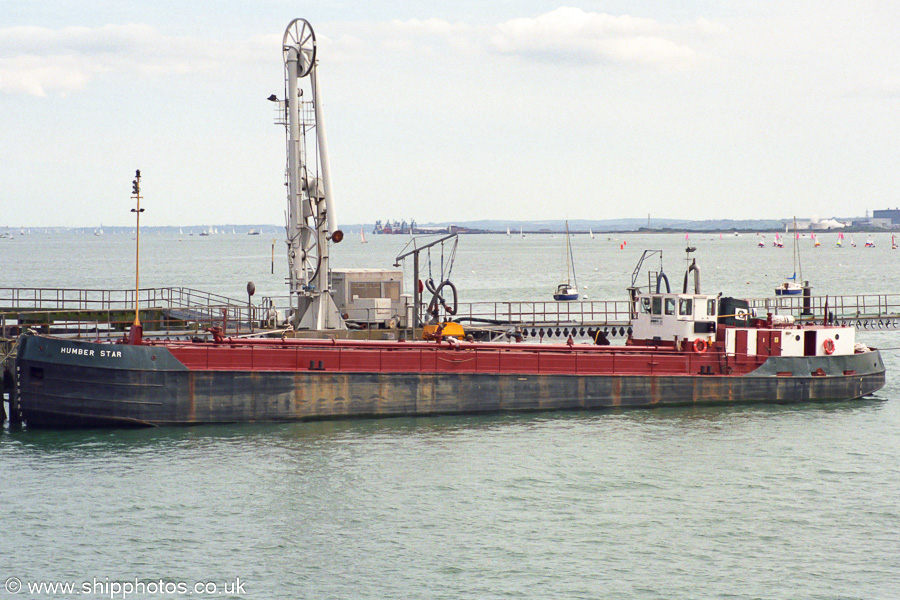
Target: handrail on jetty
20 299
97 310
174 308
858 309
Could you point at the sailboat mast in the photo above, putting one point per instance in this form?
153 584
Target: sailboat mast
797 262
570 260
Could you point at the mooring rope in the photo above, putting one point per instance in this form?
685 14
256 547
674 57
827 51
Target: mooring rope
11 349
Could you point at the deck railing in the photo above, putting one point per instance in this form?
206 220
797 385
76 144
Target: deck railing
12 299
92 308
530 313
857 307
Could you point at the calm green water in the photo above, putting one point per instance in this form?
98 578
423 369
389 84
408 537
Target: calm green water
746 502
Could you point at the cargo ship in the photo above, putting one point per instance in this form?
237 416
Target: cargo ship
684 348
690 358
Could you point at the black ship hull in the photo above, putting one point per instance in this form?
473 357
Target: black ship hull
64 383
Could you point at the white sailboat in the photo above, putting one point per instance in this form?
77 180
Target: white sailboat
568 290
791 287
521 232
591 232
362 236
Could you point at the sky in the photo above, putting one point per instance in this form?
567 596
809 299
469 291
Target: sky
453 111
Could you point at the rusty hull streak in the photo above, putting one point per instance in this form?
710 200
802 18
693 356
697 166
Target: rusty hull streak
192 401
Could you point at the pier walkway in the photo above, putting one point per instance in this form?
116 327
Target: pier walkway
98 313
94 312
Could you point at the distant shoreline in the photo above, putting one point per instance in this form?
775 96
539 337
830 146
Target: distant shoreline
270 230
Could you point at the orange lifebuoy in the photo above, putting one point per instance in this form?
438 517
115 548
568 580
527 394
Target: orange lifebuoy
828 345
699 346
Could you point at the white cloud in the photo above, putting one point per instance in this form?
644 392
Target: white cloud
886 88
39 60
430 27
564 34
344 48
364 42
36 76
571 34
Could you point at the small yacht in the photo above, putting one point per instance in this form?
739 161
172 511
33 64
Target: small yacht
791 287
568 290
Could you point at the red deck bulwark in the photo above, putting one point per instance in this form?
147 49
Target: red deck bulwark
421 357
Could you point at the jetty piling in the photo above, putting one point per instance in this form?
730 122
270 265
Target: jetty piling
8 392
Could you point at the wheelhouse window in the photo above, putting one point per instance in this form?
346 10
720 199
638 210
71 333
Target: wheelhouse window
670 306
685 306
710 308
657 305
645 305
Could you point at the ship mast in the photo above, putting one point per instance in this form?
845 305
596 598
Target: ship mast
136 332
311 223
